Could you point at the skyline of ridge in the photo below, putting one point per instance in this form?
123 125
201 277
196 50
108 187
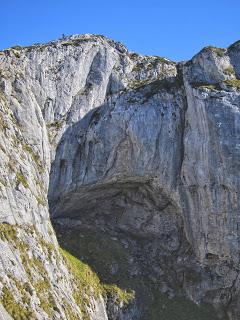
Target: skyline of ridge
176 30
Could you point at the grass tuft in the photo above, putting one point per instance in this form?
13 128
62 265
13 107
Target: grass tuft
229 71
16 310
8 232
21 179
233 83
219 51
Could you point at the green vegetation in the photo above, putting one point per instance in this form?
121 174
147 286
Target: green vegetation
56 124
85 277
149 62
3 124
17 47
39 184
8 232
161 84
88 284
2 95
219 51
201 86
17 54
14 308
178 309
40 200
3 182
138 67
77 42
163 60
32 267
34 156
12 164
233 83
19 309
21 179
100 251
47 302
133 55
53 125
132 100
69 311
136 84
229 71
123 296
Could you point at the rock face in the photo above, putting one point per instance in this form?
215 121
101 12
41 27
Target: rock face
138 150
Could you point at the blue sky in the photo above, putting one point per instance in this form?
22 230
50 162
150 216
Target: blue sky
173 29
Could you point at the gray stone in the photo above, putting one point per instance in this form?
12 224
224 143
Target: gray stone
133 145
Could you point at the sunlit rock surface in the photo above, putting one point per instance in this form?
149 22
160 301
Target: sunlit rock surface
136 148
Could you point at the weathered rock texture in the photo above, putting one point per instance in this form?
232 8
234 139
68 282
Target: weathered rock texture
143 150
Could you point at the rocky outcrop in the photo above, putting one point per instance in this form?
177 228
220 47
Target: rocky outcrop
35 281
142 153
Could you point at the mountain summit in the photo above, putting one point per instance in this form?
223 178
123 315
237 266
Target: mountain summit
119 186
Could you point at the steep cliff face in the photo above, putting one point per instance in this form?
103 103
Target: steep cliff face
139 159
35 96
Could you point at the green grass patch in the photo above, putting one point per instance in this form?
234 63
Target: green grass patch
3 124
8 232
233 83
163 60
85 277
33 266
88 285
47 301
100 251
21 179
229 71
133 55
16 48
201 86
15 309
40 200
34 156
55 124
77 42
86 281
219 51
123 296
178 309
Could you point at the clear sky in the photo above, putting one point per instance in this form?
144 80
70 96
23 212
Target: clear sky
173 29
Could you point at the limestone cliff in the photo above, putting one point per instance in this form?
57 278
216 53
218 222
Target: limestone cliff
136 155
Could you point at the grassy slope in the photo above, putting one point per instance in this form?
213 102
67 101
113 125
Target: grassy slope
102 253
